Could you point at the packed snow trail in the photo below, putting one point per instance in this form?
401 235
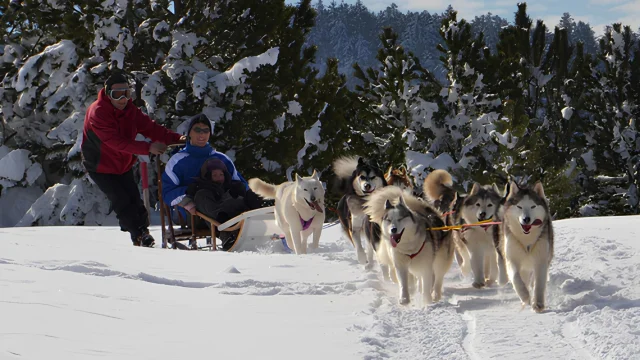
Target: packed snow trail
593 307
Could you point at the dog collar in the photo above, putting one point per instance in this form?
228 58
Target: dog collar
305 223
416 254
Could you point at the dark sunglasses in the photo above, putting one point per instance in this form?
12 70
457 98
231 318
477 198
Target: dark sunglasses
120 93
201 130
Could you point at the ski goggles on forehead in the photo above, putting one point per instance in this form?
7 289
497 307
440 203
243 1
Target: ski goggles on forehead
117 94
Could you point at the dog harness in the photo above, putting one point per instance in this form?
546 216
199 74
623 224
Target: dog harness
305 223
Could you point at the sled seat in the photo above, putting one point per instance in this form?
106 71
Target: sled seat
186 232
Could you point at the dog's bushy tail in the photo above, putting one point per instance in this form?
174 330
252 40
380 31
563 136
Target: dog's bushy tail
436 184
344 166
266 190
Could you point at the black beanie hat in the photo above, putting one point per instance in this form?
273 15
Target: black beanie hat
199 119
116 78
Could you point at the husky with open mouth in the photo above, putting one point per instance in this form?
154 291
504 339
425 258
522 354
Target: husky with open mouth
357 179
411 245
299 208
527 242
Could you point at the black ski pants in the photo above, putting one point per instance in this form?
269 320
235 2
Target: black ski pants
122 191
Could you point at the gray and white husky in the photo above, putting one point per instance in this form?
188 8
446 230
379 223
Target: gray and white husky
527 242
411 247
483 242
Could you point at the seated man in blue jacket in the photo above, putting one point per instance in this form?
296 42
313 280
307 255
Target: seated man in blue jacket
183 168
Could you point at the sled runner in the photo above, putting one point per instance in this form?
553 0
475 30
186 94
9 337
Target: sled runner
256 228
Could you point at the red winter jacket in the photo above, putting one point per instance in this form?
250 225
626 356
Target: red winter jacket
108 142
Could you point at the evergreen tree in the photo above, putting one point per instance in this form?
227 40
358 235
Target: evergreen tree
392 97
200 58
616 145
468 110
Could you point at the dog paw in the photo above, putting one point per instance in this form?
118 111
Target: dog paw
436 296
403 301
489 283
478 285
362 258
538 307
502 281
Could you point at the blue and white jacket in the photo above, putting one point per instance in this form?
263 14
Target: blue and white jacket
184 166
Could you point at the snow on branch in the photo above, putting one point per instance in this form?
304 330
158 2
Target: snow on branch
79 203
236 75
54 61
17 169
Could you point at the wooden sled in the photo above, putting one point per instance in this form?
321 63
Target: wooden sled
256 227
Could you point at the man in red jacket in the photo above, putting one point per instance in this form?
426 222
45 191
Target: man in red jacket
108 148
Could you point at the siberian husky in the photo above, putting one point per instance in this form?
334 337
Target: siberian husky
399 178
438 191
357 180
483 242
410 246
299 208
527 242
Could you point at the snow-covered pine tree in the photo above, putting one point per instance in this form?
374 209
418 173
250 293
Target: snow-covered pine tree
266 128
46 72
526 132
615 148
184 62
568 111
584 33
467 105
490 26
392 97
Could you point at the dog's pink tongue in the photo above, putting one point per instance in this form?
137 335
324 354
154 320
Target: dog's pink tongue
537 222
395 239
526 228
317 206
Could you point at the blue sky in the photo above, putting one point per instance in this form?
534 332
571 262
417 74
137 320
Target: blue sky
597 13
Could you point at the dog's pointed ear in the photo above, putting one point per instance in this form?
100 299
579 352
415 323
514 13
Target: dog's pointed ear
360 161
389 172
513 189
297 178
497 190
315 175
387 204
476 187
538 189
401 201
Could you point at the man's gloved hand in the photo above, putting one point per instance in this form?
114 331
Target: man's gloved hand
192 189
236 189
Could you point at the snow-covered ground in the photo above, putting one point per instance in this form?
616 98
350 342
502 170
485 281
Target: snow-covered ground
85 292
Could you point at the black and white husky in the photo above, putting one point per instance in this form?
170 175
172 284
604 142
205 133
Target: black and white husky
358 179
